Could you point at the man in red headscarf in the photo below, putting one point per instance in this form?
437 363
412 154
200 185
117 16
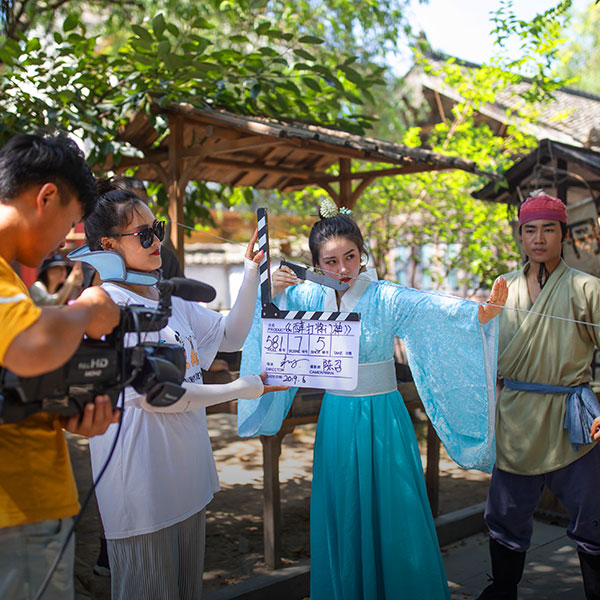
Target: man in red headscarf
546 408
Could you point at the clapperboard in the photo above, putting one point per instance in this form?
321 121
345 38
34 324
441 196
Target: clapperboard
305 348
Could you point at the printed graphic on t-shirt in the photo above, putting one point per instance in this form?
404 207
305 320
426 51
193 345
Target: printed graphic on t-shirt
191 357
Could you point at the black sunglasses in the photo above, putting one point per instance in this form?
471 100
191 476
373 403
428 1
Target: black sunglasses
146 234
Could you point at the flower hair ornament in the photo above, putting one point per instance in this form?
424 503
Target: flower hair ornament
329 209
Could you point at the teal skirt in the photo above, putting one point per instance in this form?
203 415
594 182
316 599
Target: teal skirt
372 532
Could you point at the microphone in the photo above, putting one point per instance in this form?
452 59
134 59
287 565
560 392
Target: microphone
189 289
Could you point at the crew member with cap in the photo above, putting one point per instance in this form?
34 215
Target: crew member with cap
55 284
545 409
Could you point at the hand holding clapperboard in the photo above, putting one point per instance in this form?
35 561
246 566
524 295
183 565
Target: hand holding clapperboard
305 348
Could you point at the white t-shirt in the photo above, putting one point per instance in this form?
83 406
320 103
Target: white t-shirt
162 470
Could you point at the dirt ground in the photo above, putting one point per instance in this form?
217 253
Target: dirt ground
234 542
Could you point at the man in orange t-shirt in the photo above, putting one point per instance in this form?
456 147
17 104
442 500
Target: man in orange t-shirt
45 188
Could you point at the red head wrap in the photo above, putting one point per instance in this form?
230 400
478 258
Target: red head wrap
543 207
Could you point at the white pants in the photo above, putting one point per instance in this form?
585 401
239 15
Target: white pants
164 565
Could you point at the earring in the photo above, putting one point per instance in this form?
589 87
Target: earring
364 260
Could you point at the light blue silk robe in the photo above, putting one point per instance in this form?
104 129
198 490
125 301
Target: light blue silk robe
372 532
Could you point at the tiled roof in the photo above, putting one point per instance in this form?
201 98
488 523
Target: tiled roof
573 117
234 149
580 160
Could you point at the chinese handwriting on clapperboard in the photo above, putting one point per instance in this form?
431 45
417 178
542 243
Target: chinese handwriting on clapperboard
305 348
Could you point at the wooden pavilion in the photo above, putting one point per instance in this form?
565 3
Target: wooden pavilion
264 153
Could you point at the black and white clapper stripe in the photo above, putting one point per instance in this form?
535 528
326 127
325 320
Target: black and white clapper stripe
270 310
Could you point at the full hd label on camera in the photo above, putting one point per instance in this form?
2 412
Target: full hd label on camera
95 364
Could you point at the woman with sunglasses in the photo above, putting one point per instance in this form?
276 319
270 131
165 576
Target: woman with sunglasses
153 494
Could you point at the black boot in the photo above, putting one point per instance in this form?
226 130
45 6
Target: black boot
590 569
507 569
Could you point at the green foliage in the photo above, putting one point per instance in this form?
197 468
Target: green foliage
86 67
473 238
70 82
582 52
541 42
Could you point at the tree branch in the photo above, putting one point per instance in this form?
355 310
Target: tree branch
58 4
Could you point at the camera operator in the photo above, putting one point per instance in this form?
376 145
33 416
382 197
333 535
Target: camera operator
45 188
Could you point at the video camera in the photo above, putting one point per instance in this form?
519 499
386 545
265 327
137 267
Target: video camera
108 366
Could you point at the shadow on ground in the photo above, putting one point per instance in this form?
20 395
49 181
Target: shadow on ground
234 543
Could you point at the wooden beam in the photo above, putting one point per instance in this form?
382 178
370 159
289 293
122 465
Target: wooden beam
247 166
162 174
268 158
332 152
151 158
406 169
175 190
238 178
271 496
359 189
200 150
334 195
188 173
242 144
440 106
562 167
224 162
432 471
322 179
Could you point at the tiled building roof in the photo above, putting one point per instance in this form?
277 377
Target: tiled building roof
572 118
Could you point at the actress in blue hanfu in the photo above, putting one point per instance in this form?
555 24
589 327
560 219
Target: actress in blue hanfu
372 532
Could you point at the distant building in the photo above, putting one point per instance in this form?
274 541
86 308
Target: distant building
566 164
573 118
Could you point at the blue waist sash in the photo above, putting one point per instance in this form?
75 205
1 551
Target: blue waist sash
582 407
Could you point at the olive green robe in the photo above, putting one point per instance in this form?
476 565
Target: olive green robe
530 438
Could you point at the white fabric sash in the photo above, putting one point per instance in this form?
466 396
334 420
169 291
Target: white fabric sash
373 379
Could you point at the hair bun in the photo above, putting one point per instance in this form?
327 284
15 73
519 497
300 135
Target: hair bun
104 186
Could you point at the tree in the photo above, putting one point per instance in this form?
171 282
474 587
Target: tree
369 29
281 58
20 16
74 84
582 53
437 208
85 68
298 58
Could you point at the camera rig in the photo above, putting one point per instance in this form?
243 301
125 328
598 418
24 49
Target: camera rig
108 366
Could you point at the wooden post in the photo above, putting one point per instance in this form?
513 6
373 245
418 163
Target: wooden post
345 183
432 473
175 189
562 186
271 495
271 499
